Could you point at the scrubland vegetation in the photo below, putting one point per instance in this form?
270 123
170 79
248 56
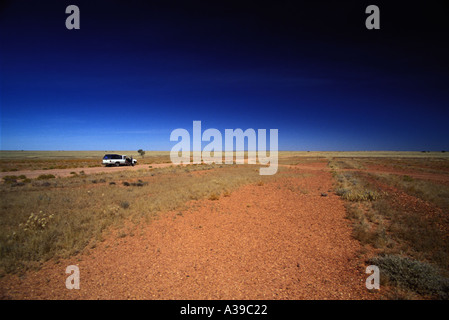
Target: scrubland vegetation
402 222
52 217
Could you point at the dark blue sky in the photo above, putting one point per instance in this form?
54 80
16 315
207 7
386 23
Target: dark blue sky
136 70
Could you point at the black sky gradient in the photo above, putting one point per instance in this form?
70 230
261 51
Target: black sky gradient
309 68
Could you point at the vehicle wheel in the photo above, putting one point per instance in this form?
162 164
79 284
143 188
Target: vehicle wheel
117 164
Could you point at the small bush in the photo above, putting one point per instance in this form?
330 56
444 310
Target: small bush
413 275
10 179
124 204
139 183
213 197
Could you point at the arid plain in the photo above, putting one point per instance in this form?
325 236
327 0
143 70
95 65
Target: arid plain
216 231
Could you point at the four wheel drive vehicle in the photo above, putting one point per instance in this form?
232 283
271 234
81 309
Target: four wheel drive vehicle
117 160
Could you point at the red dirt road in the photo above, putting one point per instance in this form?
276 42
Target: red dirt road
262 242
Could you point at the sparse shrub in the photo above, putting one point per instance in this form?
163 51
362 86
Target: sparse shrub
124 204
10 179
414 275
126 183
139 183
213 197
407 178
112 183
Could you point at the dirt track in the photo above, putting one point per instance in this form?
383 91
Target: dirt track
261 242
60 173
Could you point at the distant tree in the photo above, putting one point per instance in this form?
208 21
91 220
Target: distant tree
141 152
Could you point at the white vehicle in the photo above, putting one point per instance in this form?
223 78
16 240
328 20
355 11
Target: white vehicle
117 160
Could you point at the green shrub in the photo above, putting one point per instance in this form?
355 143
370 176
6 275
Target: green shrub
414 275
10 179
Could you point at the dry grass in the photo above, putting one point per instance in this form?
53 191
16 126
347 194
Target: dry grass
352 186
432 191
